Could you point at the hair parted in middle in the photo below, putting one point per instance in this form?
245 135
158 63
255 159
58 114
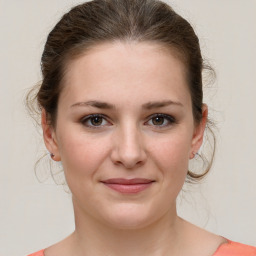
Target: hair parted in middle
101 21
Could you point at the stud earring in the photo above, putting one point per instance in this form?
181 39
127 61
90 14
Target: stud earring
192 156
52 155
195 155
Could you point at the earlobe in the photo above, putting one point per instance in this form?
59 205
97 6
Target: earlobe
49 137
199 133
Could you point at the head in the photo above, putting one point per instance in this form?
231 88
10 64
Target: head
138 21
121 56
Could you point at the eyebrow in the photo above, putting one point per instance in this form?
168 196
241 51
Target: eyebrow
148 106
160 104
96 104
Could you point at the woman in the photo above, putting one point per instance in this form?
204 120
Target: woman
121 107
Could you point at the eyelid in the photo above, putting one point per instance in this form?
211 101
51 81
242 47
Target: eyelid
171 120
84 119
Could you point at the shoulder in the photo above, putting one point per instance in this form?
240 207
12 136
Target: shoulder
39 253
235 249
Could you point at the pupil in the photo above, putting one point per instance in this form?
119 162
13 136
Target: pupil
96 120
158 120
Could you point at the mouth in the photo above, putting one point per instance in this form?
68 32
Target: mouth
128 186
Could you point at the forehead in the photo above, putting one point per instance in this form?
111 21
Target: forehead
126 70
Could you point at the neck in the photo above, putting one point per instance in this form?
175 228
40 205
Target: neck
94 238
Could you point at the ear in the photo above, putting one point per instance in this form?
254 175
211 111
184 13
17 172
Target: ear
198 135
50 137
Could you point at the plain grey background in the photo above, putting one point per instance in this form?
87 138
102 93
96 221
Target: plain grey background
34 216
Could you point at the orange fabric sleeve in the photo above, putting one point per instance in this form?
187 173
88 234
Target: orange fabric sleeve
235 249
39 253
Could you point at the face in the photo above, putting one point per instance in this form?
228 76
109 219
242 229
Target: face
125 133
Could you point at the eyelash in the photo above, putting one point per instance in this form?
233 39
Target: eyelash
85 119
170 120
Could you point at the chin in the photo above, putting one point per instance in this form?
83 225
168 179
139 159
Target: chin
130 216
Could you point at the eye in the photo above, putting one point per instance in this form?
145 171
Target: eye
161 120
94 121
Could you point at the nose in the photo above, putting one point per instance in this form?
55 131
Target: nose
128 149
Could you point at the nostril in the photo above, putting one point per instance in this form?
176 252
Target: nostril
129 165
128 150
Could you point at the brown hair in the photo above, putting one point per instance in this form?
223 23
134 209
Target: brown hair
100 21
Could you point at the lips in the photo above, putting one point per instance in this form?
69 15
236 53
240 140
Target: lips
128 186
127 181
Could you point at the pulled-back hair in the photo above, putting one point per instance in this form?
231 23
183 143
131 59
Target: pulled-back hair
100 21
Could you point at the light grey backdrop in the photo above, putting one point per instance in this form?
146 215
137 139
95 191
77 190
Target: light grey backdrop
34 215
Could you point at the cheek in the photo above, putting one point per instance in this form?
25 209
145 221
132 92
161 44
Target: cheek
171 155
81 154
172 151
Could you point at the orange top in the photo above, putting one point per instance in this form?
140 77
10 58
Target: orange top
40 253
228 249
235 249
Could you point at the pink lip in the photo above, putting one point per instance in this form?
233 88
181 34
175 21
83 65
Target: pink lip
128 186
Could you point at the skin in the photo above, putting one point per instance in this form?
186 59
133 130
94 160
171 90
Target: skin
138 80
